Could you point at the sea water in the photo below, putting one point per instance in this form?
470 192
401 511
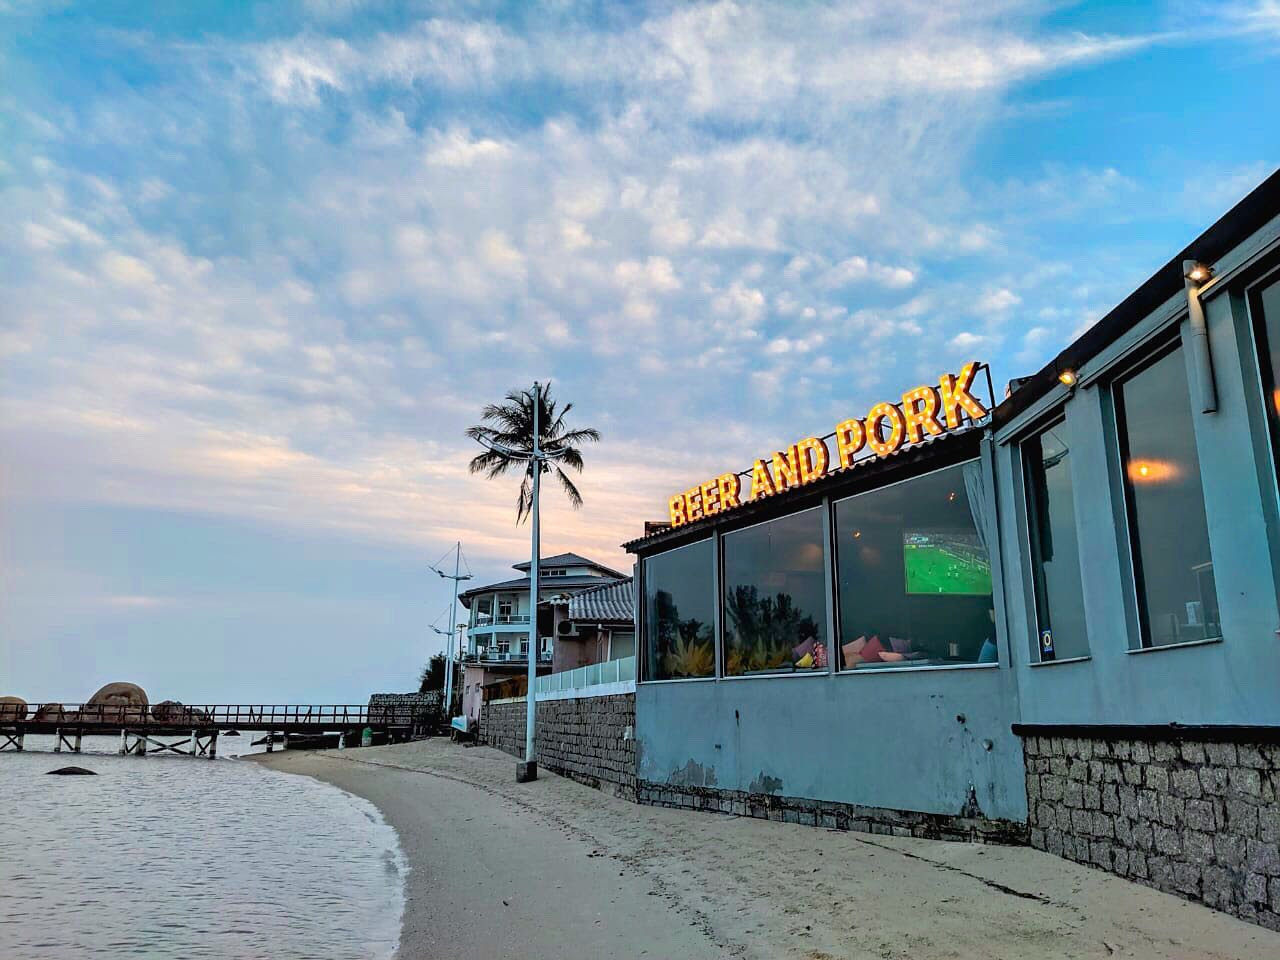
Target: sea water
167 856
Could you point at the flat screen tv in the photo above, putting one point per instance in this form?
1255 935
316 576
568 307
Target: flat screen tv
945 563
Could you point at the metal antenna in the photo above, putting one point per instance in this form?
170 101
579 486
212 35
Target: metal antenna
456 577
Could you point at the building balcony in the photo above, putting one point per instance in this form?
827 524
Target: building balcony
492 625
491 657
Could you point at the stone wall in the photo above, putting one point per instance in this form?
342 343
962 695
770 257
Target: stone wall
588 739
832 814
1188 816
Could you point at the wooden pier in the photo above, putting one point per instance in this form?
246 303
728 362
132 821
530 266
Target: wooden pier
193 730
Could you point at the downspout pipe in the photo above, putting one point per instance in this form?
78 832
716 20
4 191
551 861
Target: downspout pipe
1200 354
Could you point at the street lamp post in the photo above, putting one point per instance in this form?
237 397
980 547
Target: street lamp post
537 458
450 633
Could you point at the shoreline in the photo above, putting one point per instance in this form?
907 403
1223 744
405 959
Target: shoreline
555 869
485 879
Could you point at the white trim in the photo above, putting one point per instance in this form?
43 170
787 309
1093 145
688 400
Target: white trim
681 680
924 669
1054 663
780 675
1207 641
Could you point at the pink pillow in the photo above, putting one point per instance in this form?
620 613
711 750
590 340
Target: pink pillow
888 656
852 649
872 650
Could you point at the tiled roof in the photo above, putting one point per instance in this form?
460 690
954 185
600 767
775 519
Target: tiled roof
567 560
611 602
521 585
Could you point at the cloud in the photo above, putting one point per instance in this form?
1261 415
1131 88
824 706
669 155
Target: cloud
314 258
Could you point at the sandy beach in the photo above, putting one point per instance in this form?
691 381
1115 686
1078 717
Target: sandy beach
555 869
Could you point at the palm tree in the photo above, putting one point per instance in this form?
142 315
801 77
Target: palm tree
510 425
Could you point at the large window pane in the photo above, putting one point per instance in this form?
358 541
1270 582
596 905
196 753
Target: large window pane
679 625
1266 307
1055 555
915 574
775 597
1177 597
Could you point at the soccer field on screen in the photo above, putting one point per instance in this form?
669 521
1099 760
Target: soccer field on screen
933 569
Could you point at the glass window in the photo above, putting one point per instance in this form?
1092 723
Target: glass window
1266 312
914 573
775 597
679 613
622 643
1169 537
1055 555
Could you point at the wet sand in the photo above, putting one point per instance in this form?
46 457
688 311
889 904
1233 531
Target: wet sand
555 869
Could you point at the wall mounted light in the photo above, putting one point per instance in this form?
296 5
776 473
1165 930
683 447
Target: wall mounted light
1068 378
1197 272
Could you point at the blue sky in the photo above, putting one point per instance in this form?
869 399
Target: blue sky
261 265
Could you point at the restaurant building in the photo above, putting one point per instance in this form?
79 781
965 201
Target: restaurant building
1050 620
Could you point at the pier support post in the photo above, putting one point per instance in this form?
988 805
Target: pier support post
124 742
195 744
342 740
213 746
270 742
57 740
76 748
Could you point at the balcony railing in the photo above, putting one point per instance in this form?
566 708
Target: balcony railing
503 656
486 621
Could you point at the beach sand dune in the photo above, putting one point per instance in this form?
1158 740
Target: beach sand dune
554 869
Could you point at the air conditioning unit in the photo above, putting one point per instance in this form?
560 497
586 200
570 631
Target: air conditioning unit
566 628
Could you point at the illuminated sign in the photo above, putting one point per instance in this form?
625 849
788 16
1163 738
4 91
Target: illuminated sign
887 427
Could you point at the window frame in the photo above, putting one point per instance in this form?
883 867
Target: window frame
826 518
1256 320
642 614
838 669
1171 341
1029 545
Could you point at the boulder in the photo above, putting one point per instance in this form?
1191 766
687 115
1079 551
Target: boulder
117 703
171 711
55 713
12 709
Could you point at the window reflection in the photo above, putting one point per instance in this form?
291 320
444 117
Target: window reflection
1173 569
679 626
1266 310
915 573
775 597
1055 555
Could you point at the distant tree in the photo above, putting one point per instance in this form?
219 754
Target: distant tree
510 424
432 677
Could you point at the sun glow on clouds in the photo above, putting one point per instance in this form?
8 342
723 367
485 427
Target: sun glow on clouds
653 213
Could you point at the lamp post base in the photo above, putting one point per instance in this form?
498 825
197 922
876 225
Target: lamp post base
526 771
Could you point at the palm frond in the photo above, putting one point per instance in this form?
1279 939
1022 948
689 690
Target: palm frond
509 424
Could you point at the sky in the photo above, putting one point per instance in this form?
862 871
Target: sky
262 264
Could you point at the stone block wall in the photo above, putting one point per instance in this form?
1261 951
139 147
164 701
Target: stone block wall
832 815
588 739
1188 816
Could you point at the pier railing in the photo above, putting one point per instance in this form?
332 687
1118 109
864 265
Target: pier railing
282 717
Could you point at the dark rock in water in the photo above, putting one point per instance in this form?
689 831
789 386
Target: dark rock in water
72 772
230 733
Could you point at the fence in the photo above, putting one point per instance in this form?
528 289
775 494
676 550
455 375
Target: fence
622 670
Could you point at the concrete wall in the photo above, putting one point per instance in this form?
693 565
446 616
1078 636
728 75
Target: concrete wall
589 739
878 739
1191 817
